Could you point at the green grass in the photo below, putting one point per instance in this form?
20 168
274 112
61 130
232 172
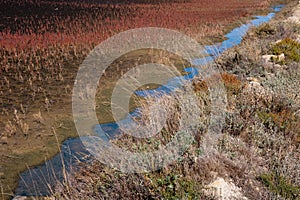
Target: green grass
279 185
175 186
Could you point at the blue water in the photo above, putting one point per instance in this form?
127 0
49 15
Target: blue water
38 181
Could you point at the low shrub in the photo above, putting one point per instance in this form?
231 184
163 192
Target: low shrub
289 47
265 30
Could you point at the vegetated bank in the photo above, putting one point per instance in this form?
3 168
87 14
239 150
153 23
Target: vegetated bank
41 54
257 155
73 151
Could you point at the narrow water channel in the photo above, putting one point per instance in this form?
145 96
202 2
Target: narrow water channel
39 180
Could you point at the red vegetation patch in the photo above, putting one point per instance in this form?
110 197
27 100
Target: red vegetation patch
43 23
231 82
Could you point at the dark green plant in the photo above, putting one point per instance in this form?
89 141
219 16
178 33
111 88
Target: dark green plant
280 185
289 47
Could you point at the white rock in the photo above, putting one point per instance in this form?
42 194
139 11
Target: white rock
224 190
269 58
252 79
281 57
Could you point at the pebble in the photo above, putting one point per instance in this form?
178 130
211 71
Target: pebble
268 58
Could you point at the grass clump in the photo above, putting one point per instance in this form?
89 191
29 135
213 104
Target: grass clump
175 186
265 30
281 120
280 185
289 47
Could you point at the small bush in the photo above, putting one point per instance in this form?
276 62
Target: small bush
281 119
289 47
265 30
174 186
232 83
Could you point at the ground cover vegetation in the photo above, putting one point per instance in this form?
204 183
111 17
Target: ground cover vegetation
41 51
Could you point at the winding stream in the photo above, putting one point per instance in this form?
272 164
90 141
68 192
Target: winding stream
38 180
